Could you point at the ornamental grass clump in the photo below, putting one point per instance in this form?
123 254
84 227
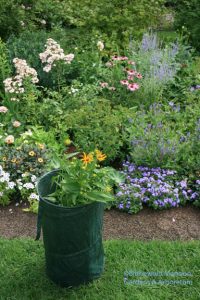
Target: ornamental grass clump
155 187
81 180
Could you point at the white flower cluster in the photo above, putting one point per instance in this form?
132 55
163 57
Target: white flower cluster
28 188
54 53
5 183
15 84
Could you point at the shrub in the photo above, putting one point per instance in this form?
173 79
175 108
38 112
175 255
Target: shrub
5 68
116 20
191 9
98 125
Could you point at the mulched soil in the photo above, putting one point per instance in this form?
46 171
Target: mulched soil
181 223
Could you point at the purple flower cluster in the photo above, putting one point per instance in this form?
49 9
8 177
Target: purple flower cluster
154 187
149 42
195 87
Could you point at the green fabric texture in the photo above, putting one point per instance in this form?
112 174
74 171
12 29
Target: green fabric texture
72 238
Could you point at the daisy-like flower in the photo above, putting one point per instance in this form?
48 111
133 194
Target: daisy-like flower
133 86
9 139
13 160
131 72
124 82
4 158
115 57
40 160
41 146
87 158
31 153
100 156
139 76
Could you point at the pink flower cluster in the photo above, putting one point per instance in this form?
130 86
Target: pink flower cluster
15 84
131 74
54 53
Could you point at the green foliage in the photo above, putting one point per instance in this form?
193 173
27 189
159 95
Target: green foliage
166 136
115 20
187 19
5 68
29 45
82 181
10 16
98 125
25 158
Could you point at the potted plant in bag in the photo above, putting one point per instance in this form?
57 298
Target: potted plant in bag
71 206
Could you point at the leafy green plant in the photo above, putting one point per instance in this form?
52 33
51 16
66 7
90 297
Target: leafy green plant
82 181
115 20
24 158
98 125
166 136
5 68
190 24
6 187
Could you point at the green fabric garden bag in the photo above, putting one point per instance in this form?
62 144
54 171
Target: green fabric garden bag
72 238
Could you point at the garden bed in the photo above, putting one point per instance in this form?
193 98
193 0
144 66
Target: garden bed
174 224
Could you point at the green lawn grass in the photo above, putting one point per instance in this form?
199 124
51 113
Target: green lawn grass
22 272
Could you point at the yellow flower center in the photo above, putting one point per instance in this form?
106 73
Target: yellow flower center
31 153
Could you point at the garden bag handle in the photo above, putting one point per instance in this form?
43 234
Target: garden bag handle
39 221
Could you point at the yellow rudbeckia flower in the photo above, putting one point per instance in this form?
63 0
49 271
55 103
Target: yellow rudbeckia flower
100 156
87 158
